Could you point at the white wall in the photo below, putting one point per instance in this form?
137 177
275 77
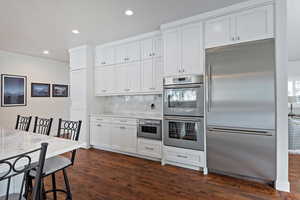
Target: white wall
37 70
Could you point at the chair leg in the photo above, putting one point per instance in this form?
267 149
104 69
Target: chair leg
69 195
43 192
54 186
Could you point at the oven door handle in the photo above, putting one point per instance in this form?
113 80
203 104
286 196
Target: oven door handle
184 119
195 85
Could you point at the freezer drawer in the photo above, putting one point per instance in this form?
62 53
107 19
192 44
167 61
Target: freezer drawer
245 154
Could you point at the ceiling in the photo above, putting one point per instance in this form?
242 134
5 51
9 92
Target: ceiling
31 26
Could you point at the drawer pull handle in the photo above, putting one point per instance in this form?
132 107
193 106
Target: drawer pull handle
180 156
123 120
149 148
122 127
99 125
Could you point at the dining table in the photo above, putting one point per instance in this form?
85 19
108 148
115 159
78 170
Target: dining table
15 142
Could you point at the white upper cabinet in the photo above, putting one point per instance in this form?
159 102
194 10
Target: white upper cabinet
78 58
183 50
151 48
127 78
104 80
250 25
172 52
105 56
128 52
192 49
151 79
254 24
218 31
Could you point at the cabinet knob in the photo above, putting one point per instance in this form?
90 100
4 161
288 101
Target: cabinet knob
150 54
103 63
232 38
238 37
153 54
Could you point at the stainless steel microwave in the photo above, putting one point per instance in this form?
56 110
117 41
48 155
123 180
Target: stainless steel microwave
184 96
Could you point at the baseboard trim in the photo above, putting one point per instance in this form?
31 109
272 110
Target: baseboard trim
282 186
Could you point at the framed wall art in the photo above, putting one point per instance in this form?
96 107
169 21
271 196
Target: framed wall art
40 90
13 90
60 90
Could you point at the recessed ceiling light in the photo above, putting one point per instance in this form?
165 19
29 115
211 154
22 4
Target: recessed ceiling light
129 12
75 31
46 52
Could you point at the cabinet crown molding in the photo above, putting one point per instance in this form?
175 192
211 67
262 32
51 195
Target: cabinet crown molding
131 39
217 13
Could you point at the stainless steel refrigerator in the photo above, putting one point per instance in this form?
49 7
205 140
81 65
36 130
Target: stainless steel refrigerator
241 136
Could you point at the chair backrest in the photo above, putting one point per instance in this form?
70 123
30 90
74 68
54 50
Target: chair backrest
42 125
69 130
22 164
23 123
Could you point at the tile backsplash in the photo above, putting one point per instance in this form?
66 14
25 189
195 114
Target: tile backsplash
151 104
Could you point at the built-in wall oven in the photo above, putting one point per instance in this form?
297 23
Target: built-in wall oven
184 132
183 112
150 129
184 96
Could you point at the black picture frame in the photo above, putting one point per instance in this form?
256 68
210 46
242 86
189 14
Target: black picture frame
13 90
40 90
59 90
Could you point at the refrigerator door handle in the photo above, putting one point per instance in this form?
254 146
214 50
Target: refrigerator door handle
209 89
240 131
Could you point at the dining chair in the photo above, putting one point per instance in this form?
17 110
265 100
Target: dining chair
21 164
68 130
42 125
23 123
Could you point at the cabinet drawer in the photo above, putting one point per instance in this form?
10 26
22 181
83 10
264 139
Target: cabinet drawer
149 148
101 119
126 121
194 158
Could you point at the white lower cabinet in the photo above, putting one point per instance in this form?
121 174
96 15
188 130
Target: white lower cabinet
184 157
150 148
100 134
124 137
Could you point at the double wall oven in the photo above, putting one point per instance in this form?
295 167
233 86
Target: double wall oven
184 111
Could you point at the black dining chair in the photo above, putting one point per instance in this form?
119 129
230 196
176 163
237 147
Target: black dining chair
21 165
23 123
68 130
42 125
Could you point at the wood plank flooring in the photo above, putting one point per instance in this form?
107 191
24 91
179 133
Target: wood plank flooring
101 175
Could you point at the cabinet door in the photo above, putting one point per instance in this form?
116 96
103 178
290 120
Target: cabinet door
120 54
104 56
116 137
104 80
133 76
128 138
78 91
121 78
219 32
147 49
255 24
192 51
100 134
171 52
147 84
158 75
133 52
157 47
78 58
99 81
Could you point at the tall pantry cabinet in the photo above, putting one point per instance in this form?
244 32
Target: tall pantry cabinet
81 88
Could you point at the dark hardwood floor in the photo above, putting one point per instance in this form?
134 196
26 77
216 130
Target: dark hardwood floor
100 175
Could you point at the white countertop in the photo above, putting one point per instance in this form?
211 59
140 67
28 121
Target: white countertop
13 142
130 115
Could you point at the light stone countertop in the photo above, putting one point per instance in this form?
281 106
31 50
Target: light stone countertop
13 142
130 115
